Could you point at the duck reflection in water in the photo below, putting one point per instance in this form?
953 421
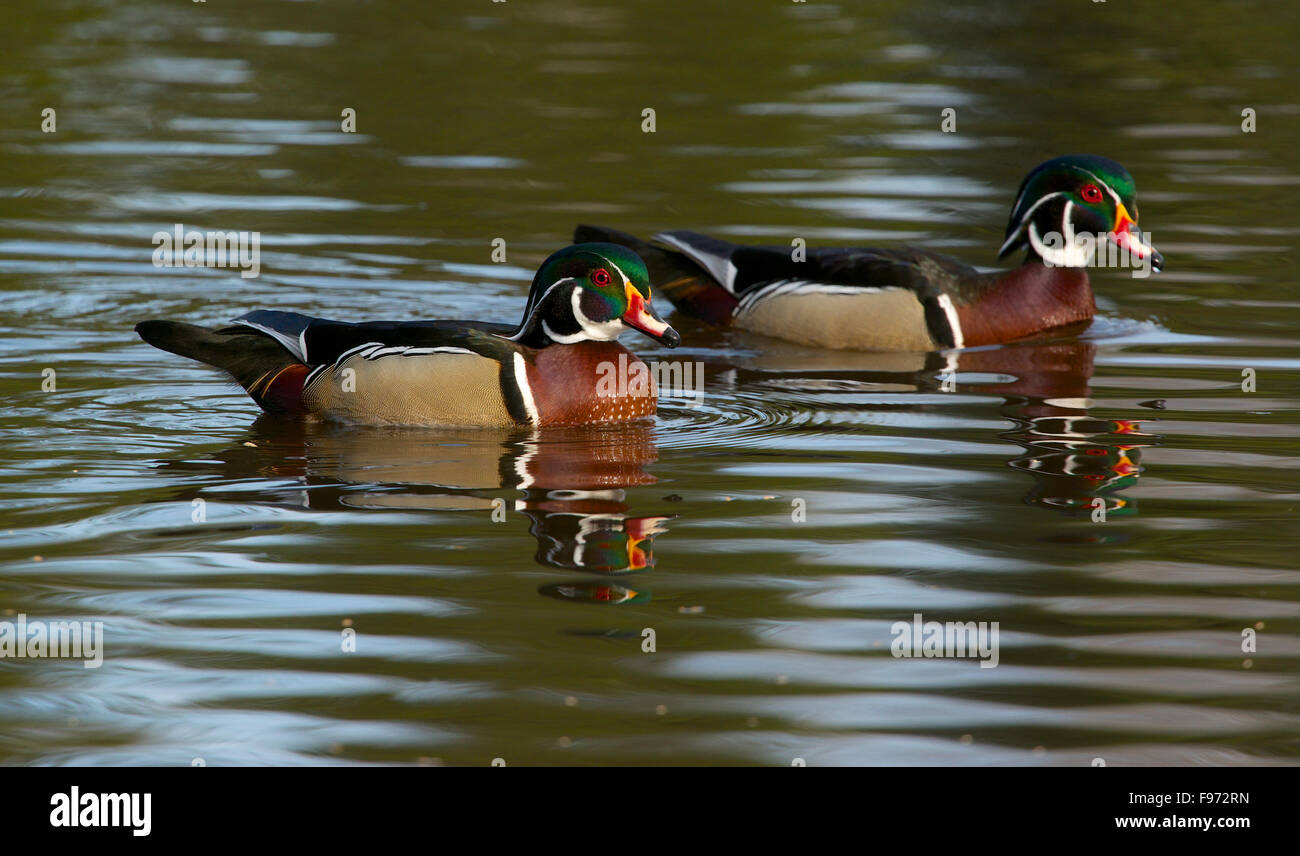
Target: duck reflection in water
1079 464
573 483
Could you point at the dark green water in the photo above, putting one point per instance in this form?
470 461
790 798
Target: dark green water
521 638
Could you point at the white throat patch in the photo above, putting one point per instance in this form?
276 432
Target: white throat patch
601 331
1064 248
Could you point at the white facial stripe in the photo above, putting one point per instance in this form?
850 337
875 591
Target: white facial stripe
546 328
1019 199
533 304
626 281
1093 176
525 391
1020 227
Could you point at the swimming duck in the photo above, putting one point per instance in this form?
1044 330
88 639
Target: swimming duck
548 370
911 299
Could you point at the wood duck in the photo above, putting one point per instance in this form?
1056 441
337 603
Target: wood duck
547 371
910 299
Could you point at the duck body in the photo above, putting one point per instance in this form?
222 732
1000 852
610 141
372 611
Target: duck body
879 300
553 369
908 299
453 373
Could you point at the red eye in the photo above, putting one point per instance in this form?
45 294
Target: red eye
1091 193
600 277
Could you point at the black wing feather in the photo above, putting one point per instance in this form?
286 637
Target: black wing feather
322 341
917 270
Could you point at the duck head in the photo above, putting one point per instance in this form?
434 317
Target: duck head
1068 205
591 292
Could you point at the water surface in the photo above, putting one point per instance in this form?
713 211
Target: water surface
499 584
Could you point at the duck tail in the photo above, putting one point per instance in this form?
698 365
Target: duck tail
268 373
688 286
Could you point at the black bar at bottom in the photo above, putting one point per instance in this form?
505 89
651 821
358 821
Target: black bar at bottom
210 806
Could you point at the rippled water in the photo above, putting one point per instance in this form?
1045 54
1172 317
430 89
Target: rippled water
499 584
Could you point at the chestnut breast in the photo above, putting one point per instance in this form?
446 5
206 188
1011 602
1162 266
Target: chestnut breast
590 382
1030 299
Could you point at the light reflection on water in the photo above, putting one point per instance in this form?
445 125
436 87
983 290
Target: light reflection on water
500 584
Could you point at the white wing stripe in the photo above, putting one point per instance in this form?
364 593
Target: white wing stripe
782 287
296 345
718 267
378 350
